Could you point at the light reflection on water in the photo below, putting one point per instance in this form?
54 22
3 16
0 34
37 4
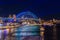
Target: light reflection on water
25 30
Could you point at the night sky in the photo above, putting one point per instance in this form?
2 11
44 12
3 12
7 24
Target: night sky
42 8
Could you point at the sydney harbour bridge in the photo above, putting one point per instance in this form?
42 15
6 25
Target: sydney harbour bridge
27 26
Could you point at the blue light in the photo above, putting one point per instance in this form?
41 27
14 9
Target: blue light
27 14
